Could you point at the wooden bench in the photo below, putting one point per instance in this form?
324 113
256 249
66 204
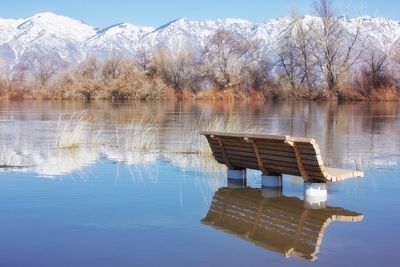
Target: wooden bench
274 154
279 224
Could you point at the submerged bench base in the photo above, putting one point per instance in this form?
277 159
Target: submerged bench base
315 192
271 180
237 174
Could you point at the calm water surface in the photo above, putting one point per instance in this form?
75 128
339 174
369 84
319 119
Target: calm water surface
103 204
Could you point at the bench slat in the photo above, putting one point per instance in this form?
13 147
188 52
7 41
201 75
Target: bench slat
307 159
283 162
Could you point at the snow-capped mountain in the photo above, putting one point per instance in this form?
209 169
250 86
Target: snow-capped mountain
122 38
43 34
67 40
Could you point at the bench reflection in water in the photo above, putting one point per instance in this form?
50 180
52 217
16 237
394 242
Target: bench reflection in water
281 224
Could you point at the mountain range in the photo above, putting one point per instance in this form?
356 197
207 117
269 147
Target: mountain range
71 41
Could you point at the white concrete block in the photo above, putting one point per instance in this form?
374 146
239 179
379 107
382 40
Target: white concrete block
315 195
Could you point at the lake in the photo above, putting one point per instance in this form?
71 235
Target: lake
81 185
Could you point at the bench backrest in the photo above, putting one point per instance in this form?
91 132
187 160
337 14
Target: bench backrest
272 154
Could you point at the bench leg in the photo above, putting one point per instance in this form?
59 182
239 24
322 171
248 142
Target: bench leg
271 192
271 181
271 185
315 195
237 178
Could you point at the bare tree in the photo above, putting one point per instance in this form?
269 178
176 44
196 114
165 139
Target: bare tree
335 46
3 70
178 68
375 69
288 56
111 68
227 57
40 68
144 61
86 76
296 60
306 59
88 70
393 55
257 75
184 69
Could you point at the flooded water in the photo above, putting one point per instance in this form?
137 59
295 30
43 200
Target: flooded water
103 201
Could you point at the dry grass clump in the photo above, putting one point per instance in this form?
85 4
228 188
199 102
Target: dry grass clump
76 131
71 133
221 124
142 136
229 124
188 140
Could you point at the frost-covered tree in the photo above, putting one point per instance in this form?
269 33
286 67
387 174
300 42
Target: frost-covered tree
227 57
336 48
40 68
296 60
178 69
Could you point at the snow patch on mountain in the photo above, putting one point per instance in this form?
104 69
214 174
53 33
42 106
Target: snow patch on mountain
123 38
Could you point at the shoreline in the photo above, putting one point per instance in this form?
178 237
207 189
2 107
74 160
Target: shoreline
213 95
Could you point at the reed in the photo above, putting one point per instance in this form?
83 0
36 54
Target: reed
142 136
76 131
229 124
72 132
95 136
189 140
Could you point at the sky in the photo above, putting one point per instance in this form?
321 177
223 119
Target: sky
103 13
